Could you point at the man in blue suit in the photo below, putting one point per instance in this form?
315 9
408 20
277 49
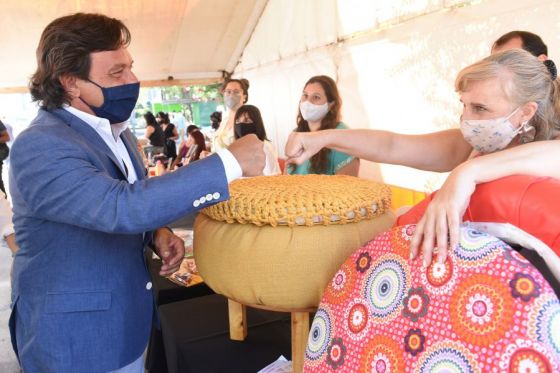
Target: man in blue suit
84 210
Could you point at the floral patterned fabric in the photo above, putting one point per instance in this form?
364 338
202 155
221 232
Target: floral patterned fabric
486 309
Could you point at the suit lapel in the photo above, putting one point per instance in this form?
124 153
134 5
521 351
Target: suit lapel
91 135
132 148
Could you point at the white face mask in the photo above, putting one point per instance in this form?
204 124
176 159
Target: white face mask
231 101
490 135
313 113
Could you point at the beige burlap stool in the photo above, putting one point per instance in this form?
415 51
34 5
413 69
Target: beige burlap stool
277 242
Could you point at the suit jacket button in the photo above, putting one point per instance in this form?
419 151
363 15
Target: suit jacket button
149 285
216 195
209 197
196 203
202 199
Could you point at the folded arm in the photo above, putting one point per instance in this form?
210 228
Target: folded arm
445 212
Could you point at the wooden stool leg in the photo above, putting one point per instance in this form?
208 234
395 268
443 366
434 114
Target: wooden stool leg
237 321
300 332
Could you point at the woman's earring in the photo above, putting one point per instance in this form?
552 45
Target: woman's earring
527 133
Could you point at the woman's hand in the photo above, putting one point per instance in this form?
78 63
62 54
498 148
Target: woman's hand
440 223
303 145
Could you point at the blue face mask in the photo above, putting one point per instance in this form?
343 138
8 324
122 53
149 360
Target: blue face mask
118 102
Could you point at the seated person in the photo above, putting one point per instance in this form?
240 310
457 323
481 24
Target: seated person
248 120
319 109
184 145
511 102
190 151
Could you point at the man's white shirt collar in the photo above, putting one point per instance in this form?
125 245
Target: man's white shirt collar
98 124
110 133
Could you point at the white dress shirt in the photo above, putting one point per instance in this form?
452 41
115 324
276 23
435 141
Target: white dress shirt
111 134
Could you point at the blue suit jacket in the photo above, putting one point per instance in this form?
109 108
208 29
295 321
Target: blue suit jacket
80 299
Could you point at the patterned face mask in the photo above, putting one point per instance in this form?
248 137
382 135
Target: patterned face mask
490 135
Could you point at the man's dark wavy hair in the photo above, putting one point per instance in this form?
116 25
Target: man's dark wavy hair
64 49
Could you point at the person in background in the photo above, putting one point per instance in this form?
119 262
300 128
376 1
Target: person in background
510 103
170 134
154 133
186 143
532 43
248 120
236 93
81 292
6 226
528 41
191 148
319 109
180 123
4 152
216 119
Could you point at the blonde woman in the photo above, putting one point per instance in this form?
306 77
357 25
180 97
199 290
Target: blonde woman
510 99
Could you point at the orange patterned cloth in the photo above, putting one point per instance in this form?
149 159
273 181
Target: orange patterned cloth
486 309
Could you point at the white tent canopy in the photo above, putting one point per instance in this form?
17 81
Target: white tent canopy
188 40
394 60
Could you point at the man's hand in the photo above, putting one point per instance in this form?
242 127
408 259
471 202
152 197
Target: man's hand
171 250
249 152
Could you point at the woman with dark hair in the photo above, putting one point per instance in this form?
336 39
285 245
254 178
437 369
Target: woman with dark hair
216 119
248 120
197 146
190 149
154 133
319 109
236 93
170 134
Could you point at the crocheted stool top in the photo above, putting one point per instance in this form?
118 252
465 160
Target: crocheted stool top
302 200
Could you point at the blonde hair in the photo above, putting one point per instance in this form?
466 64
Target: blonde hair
524 79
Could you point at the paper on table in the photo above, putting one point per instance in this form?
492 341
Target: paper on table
279 366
